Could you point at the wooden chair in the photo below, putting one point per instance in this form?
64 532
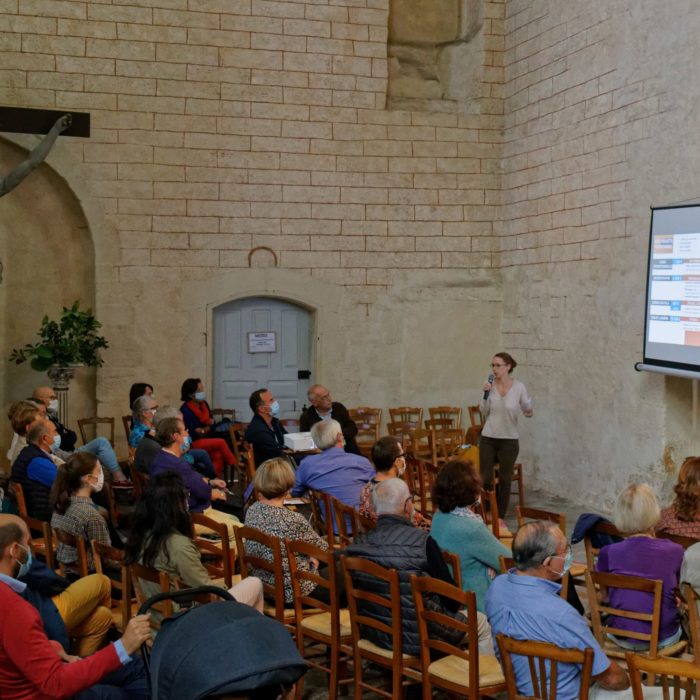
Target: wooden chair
452 560
40 540
476 423
401 666
451 413
329 626
691 600
222 413
401 430
516 480
79 544
427 473
126 422
368 421
602 527
96 422
542 662
682 540
460 670
439 424
407 414
18 492
422 445
676 676
446 441
322 512
249 561
492 517
140 481
121 588
139 573
218 558
597 584
346 519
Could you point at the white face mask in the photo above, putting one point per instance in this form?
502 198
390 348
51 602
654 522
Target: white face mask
100 482
53 406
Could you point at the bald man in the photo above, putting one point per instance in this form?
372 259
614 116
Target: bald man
324 408
34 668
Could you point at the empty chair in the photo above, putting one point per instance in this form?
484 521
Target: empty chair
476 423
368 421
96 422
422 445
450 413
407 414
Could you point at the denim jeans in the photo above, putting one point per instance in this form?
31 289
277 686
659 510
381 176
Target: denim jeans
101 448
126 683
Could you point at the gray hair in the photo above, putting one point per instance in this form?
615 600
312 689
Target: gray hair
389 497
143 403
636 509
166 429
41 428
166 412
534 542
325 433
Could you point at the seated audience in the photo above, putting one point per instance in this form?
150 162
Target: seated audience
139 389
196 415
457 528
34 469
682 517
75 512
395 544
525 604
323 408
273 481
333 471
174 441
264 432
22 415
142 414
642 554
34 668
100 446
389 460
160 538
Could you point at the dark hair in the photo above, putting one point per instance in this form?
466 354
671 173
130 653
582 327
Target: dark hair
160 512
138 389
508 360
68 479
255 400
189 388
457 485
166 429
687 501
9 534
384 452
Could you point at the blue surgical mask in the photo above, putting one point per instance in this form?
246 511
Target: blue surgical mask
275 408
186 444
56 444
24 568
568 560
200 395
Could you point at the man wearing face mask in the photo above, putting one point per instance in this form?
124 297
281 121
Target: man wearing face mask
525 604
265 433
34 668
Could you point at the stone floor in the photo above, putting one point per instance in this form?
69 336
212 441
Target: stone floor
315 686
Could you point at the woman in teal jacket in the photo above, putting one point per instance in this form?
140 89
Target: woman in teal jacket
458 529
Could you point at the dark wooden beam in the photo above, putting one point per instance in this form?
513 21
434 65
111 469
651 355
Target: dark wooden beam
25 120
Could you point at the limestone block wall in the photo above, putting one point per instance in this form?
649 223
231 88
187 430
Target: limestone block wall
220 126
598 127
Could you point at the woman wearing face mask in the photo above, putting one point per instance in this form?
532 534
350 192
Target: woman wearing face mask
202 428
458 529
74 510
389 460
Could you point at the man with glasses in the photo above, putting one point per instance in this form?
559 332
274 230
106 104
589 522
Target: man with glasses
324 408
525 604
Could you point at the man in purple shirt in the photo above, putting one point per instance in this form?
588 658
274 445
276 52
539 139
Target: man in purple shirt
334 471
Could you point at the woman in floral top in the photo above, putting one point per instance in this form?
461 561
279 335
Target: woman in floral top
273 482
682 517
389 460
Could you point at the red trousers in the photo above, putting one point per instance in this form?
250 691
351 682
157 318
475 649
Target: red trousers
218 450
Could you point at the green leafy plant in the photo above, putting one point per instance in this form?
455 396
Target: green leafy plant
73 340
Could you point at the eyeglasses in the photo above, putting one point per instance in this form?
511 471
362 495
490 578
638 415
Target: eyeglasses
494 365
567 551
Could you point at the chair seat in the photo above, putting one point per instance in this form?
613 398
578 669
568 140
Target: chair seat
577 569
366 645
618 652
456 670
321 623
269 610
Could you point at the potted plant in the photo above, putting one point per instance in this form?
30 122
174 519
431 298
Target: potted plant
72 341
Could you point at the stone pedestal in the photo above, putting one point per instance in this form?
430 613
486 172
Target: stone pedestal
60 381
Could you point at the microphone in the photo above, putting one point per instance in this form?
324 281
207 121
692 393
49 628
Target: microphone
488 391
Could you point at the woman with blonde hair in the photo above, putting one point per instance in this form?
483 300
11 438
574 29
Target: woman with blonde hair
682 517
642 554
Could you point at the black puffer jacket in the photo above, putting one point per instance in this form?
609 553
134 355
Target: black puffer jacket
36 495
396 544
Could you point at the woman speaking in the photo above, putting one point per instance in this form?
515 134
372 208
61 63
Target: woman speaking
504 398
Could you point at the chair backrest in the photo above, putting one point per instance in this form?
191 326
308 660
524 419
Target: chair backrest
446 441
427 473
221 413
79 544
400 429
452 560
102 553
543 660
140 481
346 519
422 445
368 421
440 424
451 413
526 515
675 676
602 527
18 492
601 614
83 423
322 515
219 558
476 420
273 565
407 414
126 422
40 540
427 586
692 599
682 540
139 573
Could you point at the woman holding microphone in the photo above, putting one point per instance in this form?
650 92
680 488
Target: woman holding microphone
504 398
